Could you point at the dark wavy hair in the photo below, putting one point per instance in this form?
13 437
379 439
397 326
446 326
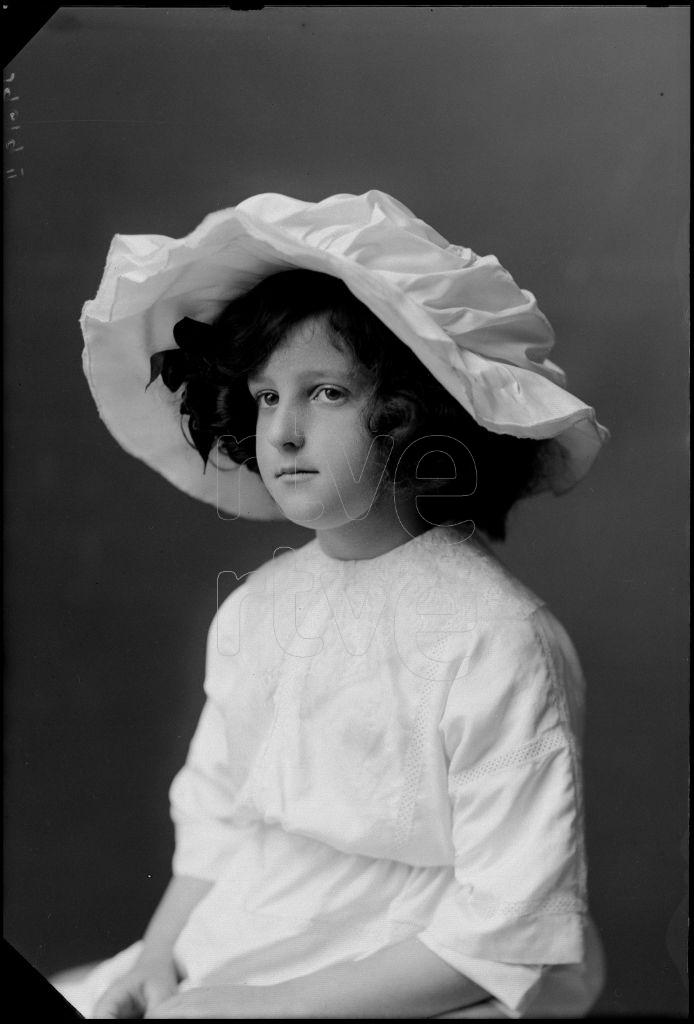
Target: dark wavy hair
429 445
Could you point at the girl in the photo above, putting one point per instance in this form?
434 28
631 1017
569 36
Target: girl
380 813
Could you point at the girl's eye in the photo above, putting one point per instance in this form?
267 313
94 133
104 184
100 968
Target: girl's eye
332 394
259 398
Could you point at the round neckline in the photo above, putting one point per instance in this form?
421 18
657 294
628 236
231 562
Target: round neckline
377 560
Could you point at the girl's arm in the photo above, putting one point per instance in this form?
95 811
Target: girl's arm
403 980
178 902
154 977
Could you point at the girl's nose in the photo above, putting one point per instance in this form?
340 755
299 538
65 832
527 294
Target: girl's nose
286 430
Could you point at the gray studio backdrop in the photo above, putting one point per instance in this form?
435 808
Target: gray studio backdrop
554 137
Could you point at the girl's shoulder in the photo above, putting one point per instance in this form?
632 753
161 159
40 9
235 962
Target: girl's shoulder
465 566
251 594
283 560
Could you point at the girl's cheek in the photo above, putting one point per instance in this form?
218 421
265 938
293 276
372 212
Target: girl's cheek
260 455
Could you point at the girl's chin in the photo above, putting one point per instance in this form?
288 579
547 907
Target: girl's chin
315 516
309 515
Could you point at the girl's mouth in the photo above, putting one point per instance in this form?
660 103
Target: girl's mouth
297 477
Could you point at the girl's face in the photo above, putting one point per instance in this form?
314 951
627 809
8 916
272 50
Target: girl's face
314 453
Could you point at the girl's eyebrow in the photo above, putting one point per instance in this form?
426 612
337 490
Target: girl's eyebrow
329 373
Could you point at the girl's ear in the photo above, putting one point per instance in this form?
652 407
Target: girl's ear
400 415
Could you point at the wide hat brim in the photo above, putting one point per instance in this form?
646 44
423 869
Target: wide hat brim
481 336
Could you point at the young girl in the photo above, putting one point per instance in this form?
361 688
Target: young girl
380 813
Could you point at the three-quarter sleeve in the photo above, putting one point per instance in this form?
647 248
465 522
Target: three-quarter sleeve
202 793
517 900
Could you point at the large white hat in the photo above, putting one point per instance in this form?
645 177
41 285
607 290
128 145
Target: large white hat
481 336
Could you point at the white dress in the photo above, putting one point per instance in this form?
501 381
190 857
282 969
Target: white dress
390 747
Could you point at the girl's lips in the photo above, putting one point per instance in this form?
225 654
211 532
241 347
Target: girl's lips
302 474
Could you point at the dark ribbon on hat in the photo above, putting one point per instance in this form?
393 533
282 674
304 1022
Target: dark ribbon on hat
196 342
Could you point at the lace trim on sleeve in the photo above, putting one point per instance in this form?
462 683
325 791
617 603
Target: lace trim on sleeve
535 750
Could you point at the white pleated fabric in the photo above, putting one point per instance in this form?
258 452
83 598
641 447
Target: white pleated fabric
480 335
390 748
